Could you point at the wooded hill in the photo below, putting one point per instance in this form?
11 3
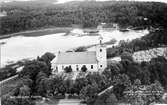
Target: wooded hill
30 15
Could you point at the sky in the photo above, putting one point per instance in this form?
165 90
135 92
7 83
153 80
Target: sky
64 1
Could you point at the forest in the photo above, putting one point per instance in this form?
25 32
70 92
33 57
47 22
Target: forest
32 15
152 40
35 80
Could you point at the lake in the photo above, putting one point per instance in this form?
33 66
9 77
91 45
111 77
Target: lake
22 47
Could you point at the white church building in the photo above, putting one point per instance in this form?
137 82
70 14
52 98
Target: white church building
93 60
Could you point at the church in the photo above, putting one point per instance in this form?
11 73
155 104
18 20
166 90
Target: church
94 61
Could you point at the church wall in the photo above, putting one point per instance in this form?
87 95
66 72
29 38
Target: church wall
61 67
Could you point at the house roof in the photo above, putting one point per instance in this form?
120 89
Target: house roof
76 58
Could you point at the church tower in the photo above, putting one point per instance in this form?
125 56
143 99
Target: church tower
101 55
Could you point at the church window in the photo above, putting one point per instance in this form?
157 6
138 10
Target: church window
100 50
91 66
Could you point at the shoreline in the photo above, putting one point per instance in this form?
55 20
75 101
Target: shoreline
45 31
42 31
38 32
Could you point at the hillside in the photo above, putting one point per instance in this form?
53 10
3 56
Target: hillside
30 15
154 39
144 55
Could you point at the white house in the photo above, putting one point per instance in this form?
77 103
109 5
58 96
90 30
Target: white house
93 60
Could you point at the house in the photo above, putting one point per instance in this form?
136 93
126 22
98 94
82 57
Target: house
93 60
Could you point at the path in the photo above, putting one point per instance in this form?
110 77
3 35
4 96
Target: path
69 102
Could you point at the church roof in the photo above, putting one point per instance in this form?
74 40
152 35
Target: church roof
76 58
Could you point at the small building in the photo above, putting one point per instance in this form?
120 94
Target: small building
94 61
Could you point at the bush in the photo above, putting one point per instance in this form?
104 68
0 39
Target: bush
83 69
68 69
6 73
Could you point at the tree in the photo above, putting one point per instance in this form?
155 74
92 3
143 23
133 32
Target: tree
79 84
41 87
24 91
41 83
6 73
111 100
68 69
106 98
23 87
47 58
40 76
80 49
112 70
32 68
7 100
144 94
157 69
120 83
126 56
62 88
26 81
21 95
55 85
83 68
68 85
89 14
89 93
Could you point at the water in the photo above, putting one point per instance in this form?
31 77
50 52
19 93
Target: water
21 47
